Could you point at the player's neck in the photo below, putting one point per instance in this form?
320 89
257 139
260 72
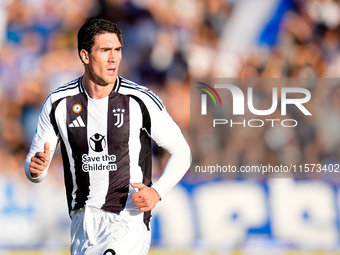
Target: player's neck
97 91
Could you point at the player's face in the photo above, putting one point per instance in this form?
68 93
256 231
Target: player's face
104 59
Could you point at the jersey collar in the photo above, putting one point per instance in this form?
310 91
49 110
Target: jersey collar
80 84
115 88
117 84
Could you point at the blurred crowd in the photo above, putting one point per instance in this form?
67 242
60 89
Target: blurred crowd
166 42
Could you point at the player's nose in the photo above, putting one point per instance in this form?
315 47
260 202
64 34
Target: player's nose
113 57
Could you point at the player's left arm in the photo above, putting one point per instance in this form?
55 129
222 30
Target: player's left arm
167 135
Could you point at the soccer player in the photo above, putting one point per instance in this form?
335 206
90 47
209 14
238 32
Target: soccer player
105 124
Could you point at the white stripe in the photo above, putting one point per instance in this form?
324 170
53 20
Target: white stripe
136 175
97 123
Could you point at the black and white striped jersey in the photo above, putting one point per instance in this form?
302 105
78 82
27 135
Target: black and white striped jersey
106 143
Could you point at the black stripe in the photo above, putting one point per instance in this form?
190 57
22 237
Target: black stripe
52 116
77 137
67 175
145 154
66 163
118 145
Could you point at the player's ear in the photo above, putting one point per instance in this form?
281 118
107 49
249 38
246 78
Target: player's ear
84 55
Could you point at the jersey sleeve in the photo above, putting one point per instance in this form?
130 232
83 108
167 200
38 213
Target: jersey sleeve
166 133
44 133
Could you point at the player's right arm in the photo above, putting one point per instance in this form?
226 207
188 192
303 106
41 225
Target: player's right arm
43 145
40 161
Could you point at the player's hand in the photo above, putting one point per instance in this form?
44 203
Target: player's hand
146 198
40 161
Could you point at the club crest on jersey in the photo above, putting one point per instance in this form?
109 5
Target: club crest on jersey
119 113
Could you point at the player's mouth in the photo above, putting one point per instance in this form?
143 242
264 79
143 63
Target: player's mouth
111 70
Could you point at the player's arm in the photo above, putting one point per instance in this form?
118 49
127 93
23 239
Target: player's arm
167 134
43 146
145 198
169 137
40 161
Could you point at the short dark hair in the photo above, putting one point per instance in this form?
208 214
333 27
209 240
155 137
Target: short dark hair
93 27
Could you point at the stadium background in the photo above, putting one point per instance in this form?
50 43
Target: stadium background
167 42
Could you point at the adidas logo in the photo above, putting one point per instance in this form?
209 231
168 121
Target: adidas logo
78 122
